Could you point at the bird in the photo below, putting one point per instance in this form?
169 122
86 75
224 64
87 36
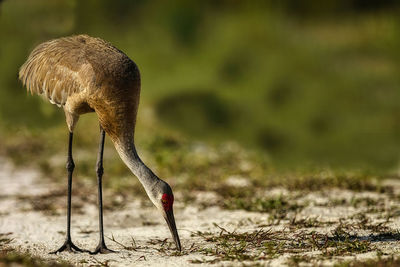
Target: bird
83 74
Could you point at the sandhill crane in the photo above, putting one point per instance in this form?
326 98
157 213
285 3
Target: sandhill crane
83 74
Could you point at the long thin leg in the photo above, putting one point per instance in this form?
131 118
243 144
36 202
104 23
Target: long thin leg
68 245
101 247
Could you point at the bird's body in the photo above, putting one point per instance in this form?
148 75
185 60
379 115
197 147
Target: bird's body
83 74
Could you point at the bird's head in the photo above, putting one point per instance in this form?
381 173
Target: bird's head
163 199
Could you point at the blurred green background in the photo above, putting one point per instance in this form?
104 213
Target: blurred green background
302 83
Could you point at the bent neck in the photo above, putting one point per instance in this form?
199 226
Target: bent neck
127 151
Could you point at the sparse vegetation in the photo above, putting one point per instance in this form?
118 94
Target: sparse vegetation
380 262
14 258
272 205
238 100
268 244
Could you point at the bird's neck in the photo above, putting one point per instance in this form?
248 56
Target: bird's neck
127 151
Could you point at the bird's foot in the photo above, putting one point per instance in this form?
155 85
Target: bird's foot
102 249
70 247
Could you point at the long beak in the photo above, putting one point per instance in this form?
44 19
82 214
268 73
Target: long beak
169 217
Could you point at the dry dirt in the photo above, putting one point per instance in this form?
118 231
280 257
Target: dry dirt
38 232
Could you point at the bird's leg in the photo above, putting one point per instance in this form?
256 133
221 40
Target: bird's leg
101 247
68 245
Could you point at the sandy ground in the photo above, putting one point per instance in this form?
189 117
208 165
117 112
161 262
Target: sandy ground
39 233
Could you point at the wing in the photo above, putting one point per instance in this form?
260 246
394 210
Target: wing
54 69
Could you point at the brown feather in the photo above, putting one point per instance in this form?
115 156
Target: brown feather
49 72
84 74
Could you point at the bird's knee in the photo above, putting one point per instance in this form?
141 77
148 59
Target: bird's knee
70 165
99 170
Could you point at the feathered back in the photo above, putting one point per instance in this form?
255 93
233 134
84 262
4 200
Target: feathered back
61 67
52 68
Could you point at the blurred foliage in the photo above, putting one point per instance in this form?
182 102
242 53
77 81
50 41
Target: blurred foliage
306 82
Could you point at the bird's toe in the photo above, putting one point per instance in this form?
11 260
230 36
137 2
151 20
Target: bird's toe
70 247
102 249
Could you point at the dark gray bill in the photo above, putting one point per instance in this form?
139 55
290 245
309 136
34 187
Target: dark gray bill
172 227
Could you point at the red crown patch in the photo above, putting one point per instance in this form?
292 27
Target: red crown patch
167 201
